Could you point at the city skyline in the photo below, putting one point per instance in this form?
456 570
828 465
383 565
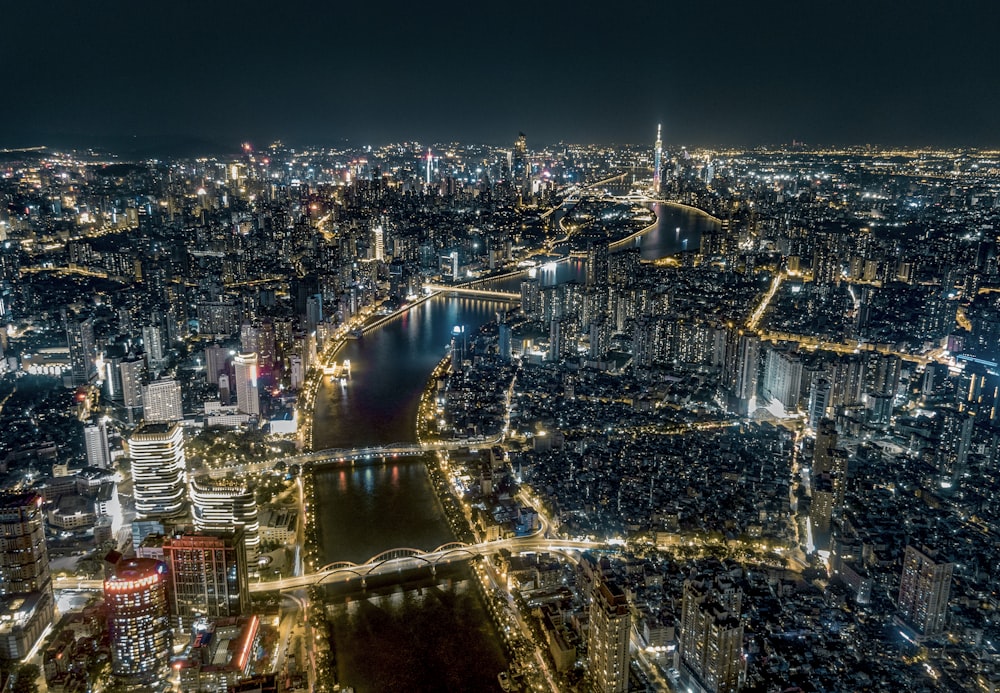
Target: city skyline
733 74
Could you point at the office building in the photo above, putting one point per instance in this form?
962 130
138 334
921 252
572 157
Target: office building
95 440
712 634
226 504
135 595
608 640
828 481
208 575
247 394
161 401
159 471
26 601
924 589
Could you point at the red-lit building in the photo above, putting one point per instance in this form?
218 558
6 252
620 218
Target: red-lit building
138 621
222 653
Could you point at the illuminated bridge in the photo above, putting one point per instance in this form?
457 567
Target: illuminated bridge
463 290
374 454
391 561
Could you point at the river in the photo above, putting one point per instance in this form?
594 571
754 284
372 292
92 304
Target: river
367 510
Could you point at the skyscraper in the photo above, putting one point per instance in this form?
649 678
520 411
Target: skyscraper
712 634
132 373
26 602
657 161
208 575
829 481
161 401
924 589
954 434
95 439
783 377
82 349
138 621
607 642
247 394
158 470
225 504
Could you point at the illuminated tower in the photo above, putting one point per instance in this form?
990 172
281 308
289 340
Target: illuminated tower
224 504
208 575
158 470
82 349
138 621
247 394
924 590
429 160
609 638
25 581
657 161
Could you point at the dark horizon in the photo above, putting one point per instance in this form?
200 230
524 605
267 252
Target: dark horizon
733 74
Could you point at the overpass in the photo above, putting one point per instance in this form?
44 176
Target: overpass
477 293
393 560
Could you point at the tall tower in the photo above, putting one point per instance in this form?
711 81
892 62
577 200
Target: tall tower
430 159
95 438
25 580
924 589
208 574
657 161
161 401
224 504
608 639
247 393
82 349
712 634
158 470
138 621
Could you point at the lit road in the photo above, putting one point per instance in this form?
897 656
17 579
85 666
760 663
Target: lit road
765 302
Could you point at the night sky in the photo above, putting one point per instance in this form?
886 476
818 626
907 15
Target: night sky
909 72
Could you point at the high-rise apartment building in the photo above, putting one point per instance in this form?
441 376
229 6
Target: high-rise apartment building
82 349
133 371
226 504
247 393
208 575
161 401
608 639
829 481
712 634
138 621
783 377
159 469
95 440
26 601
924 589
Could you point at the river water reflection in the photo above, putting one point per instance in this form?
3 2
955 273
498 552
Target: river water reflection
363 511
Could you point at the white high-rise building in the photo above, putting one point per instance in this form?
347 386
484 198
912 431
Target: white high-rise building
247 394
161 401
159 470
132 373
95 439
224 504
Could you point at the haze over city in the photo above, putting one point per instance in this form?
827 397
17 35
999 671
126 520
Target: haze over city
723 73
